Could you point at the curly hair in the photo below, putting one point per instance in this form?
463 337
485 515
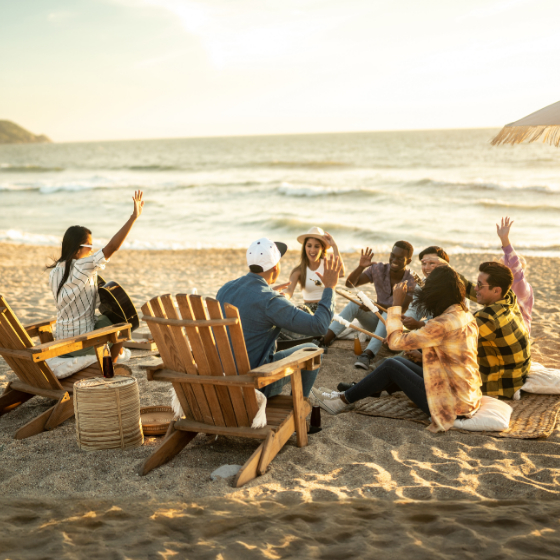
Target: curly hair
442 289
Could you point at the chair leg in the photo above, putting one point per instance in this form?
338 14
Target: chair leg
170 446
11 398
264 454
50 419
301 410
63 410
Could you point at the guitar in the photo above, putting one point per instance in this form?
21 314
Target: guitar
116 304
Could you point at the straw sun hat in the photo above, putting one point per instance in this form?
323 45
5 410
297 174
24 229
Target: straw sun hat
317 233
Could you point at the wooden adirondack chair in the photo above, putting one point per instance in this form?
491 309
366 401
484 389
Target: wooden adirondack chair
215 384
34 375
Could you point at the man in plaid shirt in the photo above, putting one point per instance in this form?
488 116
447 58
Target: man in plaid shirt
504 350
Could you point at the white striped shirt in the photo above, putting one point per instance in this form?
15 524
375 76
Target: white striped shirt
78 297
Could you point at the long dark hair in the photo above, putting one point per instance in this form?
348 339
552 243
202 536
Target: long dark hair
304 262
442 289
73 238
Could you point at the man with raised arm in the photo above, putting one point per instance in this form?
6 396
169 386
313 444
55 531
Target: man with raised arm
384 276
504 349
520 287
264 310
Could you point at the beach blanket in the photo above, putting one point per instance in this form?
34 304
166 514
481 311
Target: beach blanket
533 416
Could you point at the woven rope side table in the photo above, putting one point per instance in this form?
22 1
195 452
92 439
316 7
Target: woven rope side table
107 413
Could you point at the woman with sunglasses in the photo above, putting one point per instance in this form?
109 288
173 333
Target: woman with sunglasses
73 280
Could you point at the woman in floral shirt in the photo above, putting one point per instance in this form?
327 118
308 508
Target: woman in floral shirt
448 384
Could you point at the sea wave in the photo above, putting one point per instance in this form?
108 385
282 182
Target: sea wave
491 203
325 164
481 184
7 168
380 247
153 168
288 189
100 182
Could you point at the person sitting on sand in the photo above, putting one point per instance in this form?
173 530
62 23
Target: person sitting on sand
504 349
264 310
314 246
448 385
520 287
384 276
73 281
430 258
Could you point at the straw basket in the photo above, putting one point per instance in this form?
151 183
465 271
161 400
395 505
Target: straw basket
107 413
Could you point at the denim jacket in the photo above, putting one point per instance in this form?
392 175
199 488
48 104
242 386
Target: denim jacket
264 312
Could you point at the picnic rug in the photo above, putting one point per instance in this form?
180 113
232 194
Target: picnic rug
533 416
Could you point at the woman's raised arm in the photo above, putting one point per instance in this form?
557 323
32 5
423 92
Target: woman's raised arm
118 239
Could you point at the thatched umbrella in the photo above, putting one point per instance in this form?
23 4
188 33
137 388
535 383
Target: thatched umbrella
544 123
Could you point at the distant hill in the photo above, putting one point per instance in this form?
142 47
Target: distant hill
11 133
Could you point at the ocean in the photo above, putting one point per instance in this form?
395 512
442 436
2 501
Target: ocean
442 187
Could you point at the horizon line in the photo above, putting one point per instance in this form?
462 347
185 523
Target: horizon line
259 135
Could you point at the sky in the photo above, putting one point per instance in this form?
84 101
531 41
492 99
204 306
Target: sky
80 70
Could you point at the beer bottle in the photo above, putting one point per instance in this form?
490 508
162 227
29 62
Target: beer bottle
357 346
107 363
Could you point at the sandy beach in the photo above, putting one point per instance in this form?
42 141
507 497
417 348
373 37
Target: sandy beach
363 487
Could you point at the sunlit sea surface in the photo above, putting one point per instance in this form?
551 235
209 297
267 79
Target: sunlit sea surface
428 187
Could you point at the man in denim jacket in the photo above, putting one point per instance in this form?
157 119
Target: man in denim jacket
264 310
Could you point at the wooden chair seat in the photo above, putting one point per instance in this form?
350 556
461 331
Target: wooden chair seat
205 359
35 378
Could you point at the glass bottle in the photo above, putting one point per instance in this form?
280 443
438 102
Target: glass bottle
107 363
357 346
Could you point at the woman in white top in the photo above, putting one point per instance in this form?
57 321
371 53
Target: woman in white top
315 244
73 280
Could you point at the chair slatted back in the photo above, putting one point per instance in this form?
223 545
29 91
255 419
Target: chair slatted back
204 350
14 337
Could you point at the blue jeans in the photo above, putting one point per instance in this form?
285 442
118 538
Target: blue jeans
368 320
406 374
307 377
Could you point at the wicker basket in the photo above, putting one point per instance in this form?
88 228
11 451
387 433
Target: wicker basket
156 419
107 413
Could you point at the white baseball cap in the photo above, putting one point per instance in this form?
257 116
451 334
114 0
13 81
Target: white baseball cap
265 254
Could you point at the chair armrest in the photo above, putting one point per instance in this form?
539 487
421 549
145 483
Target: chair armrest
91 339
222 380
306 358
34 329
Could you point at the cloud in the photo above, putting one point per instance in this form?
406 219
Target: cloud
244 32
60 16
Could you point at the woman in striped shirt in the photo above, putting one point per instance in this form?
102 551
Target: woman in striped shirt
73 280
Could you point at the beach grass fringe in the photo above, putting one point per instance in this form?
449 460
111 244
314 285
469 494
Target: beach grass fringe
516 134
533 416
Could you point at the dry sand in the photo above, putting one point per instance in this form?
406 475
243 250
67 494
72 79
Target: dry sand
363 487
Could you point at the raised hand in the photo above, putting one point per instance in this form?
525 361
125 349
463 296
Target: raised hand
366 258
330 239
281 287
399 293
330 275
138 204
502 229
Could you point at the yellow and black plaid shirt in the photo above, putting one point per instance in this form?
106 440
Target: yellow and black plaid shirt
504 349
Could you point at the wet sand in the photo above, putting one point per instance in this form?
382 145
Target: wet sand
449 495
